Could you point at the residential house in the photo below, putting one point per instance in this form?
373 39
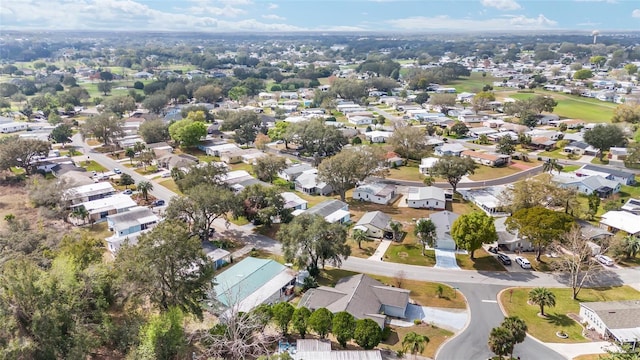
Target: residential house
252 282
476 132
443 221
219 257
632 206
90 192
615 221
217 150
510 240
613 320
232 157
429 197
542 143
393 159
180 161
361 296
236 176
99 209
426 164
333 211
487 199
377 136
136 220
622 176
360 120
450 149
376 224
487 159
317 349
580 148
617 153
308 183
293 201
12 127
114 243
588 184
377 193
293 171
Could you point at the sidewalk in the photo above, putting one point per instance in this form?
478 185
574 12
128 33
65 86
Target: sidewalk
573 350
380 251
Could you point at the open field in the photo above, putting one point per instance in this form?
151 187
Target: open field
572 106
557 318
473 83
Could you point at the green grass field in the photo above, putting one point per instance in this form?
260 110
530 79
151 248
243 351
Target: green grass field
575 107
473 83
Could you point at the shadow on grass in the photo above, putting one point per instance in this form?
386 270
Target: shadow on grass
559 320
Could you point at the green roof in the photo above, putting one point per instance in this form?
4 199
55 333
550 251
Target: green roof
244 278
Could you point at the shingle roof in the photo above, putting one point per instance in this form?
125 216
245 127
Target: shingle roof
375 218
617 314
425 192
609 170
443 221
326 207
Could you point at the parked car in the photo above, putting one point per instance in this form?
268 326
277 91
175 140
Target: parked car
166 175
128 192
504 259
159 203
117 171
604 260
524 263
493 249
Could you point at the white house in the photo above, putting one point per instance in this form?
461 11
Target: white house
333 211
453 149
376 224
293 171
377 136
615 221
89 192
308 183
614 320
426 164
609 173
487 199
13 127
293 201
216 150
429 197
443 221
376 193
360 120
588 184
99 209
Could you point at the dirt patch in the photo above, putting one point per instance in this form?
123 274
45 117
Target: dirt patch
14 200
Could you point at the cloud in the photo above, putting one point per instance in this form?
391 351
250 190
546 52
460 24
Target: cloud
273 17
636 13
501 4
520 22
605 1
272 6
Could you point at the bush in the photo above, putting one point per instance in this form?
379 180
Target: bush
138 85
386 332
417 321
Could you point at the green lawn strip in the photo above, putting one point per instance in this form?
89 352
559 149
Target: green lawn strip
556 154
487 172
544 329
93 166
570 168
148 171
483 261
575 107
409 253
171 185
410 173
240 220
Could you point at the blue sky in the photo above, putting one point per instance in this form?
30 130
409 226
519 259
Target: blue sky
321 15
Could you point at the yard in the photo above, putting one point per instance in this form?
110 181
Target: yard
93 166
483 261
575 107
487 173
473 83
436 337
170 184
557 318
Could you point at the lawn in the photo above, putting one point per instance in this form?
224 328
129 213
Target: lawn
410 253
487 172
576 107
410 173
483 261
473 83
544 329
570 168
545 263
171 185
93 166
436 337
367 249
556 154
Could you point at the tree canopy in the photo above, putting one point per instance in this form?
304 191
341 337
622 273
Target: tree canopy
604 136
470 231
539 225
453 168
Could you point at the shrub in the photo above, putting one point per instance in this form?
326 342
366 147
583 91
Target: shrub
386 332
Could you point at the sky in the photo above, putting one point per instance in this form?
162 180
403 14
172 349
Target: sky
321 15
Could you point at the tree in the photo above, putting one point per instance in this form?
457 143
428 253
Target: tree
154 131
310 240
105 127
470 231
168 265
453 168
396 229
126 180
261 141
130 153
633 155
187 133
350 166
20 152
316 137
282 314
550 165
425 231
359 235
576 262
145 187
628 113
631 246
482 99
543 298
263 205
539 225
506 145
105 87
539 191
163 337
202 205
408 141
155 103
208 93
211 173
344 326
267 167
594 203
598 60
459 128
443 101
300 320
367 334
518 329
414 343
500 341
604 136
61 134
321 321
119 105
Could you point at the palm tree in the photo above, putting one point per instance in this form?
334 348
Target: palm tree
550 165
359 235
542 297
81 213
396 228
518 329
144 187
425 231
130 153
631 246
501 341
414 343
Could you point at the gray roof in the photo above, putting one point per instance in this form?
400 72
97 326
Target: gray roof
135 216
359 295
327 207
443 221
377 219
617 314
297 169
377 189
425 192
609 170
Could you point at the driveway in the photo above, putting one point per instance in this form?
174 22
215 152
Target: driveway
451 319
446 259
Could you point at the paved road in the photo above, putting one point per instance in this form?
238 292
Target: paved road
485 315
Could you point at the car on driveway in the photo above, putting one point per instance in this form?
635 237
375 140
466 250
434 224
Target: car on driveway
504 259
604 260
128 192
523 262
159 203
117 171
